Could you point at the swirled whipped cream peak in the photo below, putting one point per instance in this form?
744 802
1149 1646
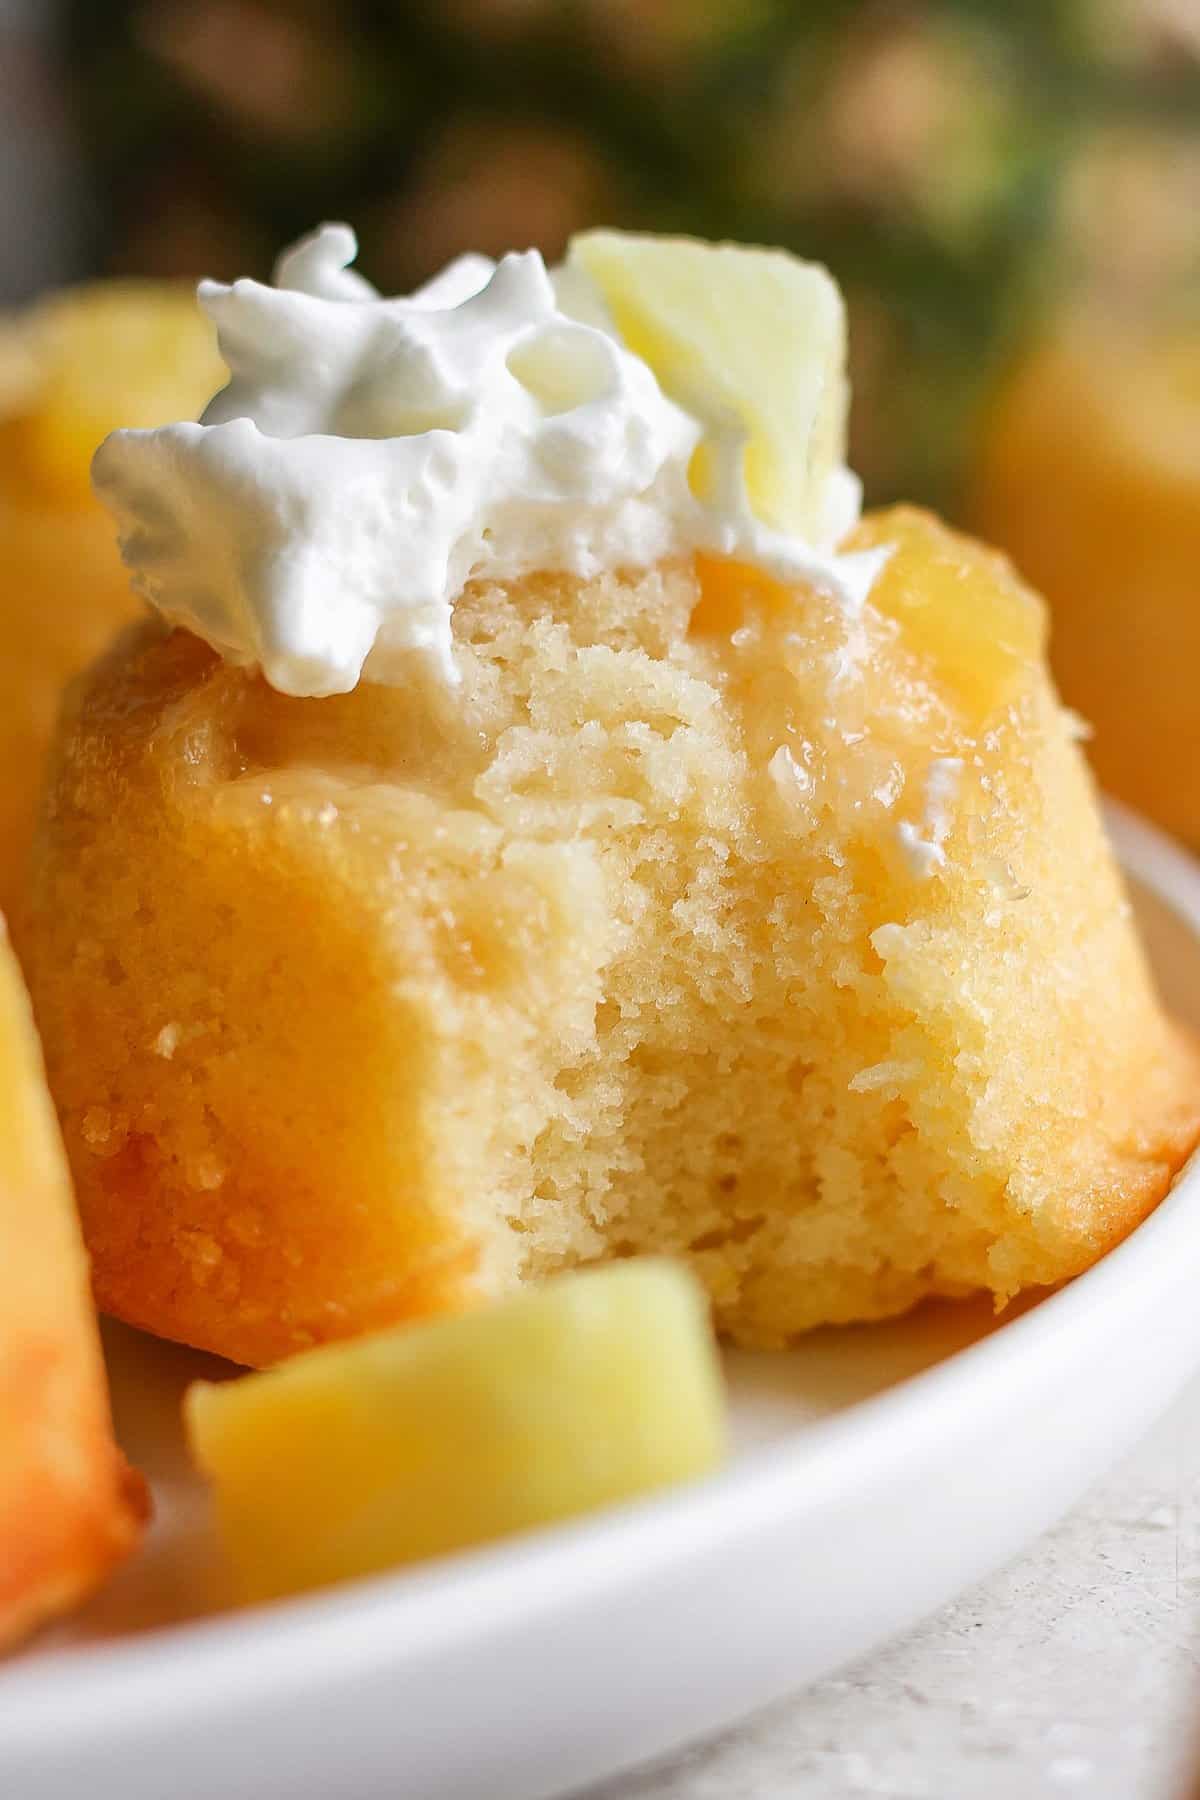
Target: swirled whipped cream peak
369 457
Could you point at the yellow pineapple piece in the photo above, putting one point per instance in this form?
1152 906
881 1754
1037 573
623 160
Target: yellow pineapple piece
1089 475
979 626
745 337
69 1507
350 1459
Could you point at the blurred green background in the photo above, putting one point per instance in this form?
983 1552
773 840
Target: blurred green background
965 169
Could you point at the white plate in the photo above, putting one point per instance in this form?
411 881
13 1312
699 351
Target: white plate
878 1471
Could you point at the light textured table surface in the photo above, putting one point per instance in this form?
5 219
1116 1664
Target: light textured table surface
1075 1671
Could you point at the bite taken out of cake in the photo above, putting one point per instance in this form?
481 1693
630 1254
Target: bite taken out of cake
545 825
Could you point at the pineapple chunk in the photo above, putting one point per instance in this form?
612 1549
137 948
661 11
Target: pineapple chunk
354 1457
959 605
114 353
753 342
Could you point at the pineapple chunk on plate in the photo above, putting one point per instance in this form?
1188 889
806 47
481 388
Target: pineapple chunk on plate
352 1458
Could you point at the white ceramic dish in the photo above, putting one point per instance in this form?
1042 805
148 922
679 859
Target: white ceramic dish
877 1472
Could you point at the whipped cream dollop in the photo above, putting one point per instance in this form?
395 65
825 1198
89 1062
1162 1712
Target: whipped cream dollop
369 457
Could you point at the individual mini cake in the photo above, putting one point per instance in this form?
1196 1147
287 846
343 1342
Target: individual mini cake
1089 475
70 370
69 1507
652 876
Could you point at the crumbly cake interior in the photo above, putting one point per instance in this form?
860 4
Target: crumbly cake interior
364 1007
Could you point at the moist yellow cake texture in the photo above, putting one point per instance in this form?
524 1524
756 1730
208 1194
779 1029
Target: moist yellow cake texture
69 1507
695 920
112 352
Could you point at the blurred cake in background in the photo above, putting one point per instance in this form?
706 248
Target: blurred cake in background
70 1508
69 370
1089 475
1086 465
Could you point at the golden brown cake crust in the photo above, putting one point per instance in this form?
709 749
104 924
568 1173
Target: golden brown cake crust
362 1008
69 1506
